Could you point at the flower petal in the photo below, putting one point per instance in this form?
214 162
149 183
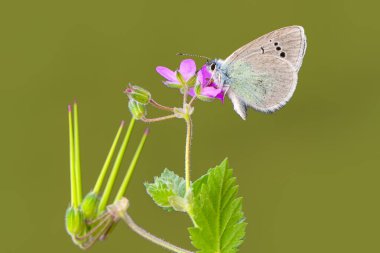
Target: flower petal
167 73
220 96
204 77
205 72
200 78
210 91
187 68
191 92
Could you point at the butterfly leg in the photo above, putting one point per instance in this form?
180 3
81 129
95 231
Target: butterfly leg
225 89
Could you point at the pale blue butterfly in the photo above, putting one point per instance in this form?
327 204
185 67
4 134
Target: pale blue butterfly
263 73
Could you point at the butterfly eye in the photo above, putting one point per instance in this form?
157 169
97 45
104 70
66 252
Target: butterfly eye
212 66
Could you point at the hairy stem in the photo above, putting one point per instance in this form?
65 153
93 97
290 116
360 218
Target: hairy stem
146 120
185 90
159 106
187 152
192 100
142 232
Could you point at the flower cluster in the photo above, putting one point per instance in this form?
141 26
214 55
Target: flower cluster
200 83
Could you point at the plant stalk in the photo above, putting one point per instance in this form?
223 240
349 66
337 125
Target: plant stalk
142 232
78 173
74 200
187 152
107 162
158 119
159 106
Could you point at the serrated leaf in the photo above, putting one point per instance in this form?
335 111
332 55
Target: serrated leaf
217 211
196 186
165 187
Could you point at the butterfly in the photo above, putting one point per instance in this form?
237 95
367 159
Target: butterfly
263 73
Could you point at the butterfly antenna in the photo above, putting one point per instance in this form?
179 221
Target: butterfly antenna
195 55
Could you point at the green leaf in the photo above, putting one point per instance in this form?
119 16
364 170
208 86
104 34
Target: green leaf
166 190
196 186
217 211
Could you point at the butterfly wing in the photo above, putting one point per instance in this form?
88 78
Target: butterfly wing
263 82
288 43
263 73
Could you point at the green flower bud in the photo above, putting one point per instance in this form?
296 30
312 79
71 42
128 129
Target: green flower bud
137 110
89 206
75 224
138 94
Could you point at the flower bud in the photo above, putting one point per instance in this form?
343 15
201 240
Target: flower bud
138 94
89 206
137 110
75 224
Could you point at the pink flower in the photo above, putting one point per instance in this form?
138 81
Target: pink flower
187 70
207 87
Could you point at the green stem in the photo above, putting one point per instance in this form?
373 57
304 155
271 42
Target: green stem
115 169
107 162
187 152
78 173
192 100
101 229
131 168
158 119
159 106
142 232
185 90
74 201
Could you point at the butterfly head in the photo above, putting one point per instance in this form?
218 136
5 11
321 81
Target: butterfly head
213 65
216 70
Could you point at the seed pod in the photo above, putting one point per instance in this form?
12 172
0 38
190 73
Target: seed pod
89 206
75 224
138 94
137 110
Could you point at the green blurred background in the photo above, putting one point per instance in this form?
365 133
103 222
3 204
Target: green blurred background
309 173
